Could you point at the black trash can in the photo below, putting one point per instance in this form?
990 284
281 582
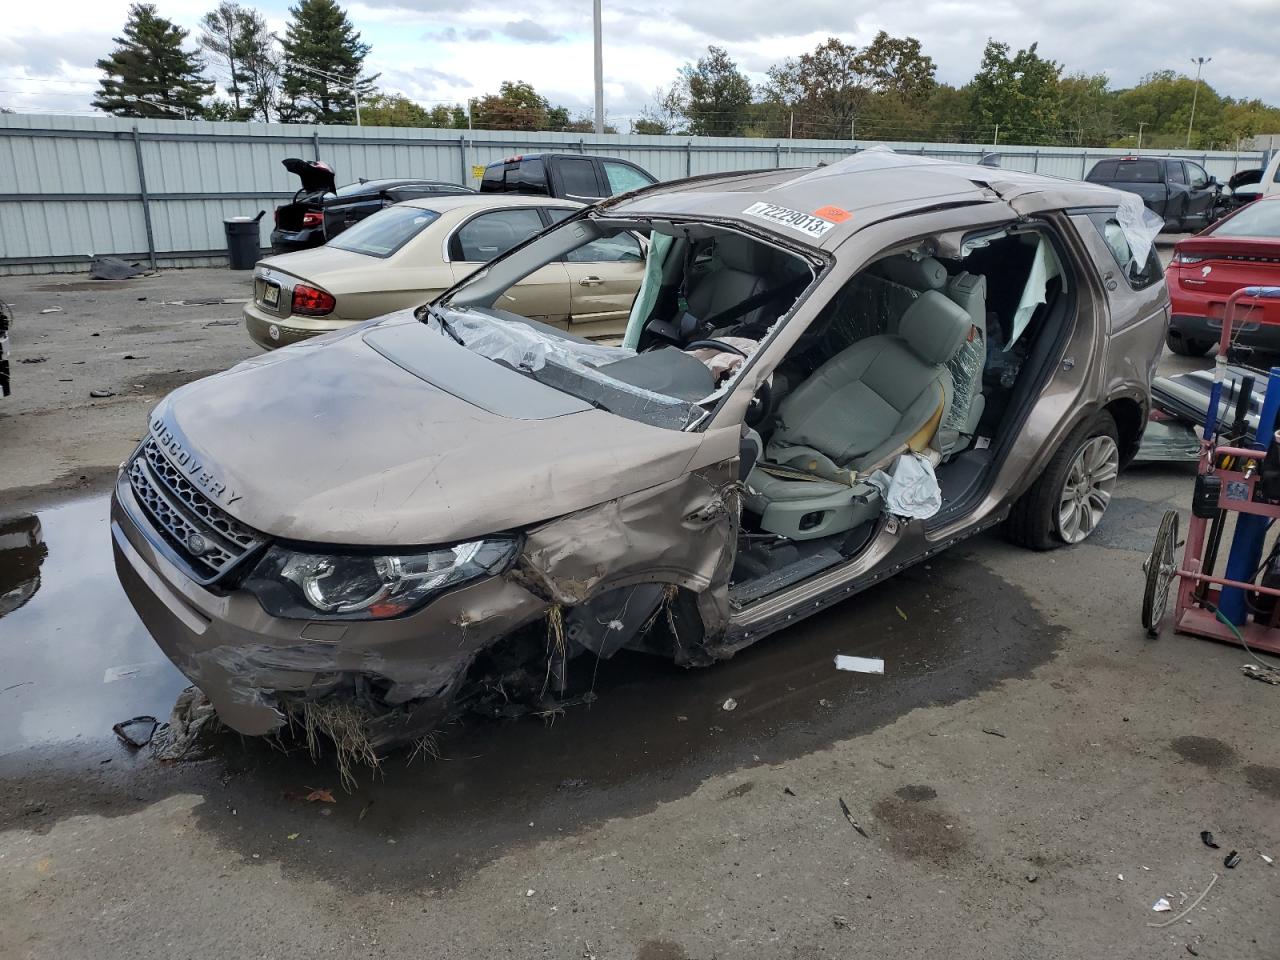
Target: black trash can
244 241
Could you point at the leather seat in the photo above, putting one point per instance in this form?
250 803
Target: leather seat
854 414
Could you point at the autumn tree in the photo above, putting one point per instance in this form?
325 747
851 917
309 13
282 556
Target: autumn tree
150 74
713 95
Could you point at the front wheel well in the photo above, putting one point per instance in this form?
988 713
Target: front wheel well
1130 419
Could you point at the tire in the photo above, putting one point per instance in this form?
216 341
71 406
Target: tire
1161 571
1186 347
1041 518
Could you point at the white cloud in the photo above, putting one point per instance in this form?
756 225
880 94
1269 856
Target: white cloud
439 50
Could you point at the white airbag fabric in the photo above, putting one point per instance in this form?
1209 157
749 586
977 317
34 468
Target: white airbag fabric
911 490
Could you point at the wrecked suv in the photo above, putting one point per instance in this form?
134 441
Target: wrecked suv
827 375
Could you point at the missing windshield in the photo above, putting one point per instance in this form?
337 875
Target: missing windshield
661 315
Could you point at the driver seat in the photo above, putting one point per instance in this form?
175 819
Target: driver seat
854 414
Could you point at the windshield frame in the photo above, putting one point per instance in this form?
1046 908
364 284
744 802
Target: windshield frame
819 263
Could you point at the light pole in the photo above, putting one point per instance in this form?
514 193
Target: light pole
352 84
1199 62
599 44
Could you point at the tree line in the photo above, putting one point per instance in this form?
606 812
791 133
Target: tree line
886 90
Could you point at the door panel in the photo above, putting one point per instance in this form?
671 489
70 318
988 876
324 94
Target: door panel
604 277
543 295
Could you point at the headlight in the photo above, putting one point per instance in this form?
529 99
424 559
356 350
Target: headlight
331 586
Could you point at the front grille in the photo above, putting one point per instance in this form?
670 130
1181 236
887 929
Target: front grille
180 512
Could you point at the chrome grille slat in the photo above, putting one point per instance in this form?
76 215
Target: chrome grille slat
178 510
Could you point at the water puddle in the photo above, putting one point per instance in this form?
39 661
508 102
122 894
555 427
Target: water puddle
74 659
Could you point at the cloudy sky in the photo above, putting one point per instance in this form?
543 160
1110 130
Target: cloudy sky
442 51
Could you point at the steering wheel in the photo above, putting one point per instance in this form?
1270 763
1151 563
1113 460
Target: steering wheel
714 345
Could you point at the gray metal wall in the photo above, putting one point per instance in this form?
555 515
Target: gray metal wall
73 187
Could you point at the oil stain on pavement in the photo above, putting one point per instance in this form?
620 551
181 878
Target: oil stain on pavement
653 733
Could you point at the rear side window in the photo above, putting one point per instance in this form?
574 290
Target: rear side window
1138 275
623 248
1103 171
1137 171
1199 179
623 177
385 232
578 178
493 234
529 177
1176 173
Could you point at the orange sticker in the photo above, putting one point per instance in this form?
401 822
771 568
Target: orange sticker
834 214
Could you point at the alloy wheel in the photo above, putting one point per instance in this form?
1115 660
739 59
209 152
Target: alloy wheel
1087 491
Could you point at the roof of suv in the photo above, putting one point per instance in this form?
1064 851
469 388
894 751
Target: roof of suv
852 193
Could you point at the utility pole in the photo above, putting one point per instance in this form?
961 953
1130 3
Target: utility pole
995 141
1141 124
1199 62
353 84
599 67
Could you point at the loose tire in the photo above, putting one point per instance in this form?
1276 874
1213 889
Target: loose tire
1066 503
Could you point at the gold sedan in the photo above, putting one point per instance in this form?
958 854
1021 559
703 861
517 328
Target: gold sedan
409 253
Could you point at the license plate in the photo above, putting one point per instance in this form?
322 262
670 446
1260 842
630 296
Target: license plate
271 295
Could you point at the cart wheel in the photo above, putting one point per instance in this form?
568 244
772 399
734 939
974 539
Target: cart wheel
1161 569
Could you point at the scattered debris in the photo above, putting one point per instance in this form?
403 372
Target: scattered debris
136 733
859 664
15 686
887 766
1231 860
995 733
1192 950
844 808
51 310
1032 877
341 723
293 836
113 268
1207 839
730 704
1161 906
222 323
1119 876
1268 860
130 356
1194 903
788 791
528 893
319 795
102 393
204 302
33 359
192 716
573 783
900 613
840 922
364 810
1261 672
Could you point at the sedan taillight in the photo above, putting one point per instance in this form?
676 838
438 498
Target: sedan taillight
312 218
1187 258
311 301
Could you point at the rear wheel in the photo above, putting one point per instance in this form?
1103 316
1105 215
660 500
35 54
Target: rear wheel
1185 347
1160 569
1066 503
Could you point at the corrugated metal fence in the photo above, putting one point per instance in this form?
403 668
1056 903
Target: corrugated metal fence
73 187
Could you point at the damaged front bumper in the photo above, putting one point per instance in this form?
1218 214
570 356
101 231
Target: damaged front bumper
592 581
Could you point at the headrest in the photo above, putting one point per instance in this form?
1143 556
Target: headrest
924 274
934 327
739 253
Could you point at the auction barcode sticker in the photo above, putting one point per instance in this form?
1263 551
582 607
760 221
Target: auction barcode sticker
810 224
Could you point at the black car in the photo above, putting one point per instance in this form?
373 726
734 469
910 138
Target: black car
1180 191
571 176
320 211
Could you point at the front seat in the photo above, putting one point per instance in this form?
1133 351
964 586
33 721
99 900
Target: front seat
736 275
861 408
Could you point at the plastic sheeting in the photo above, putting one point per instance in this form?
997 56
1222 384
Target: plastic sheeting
966 378
1044 267
911 490
1140 227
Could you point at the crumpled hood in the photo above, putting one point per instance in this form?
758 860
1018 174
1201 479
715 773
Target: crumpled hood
330 441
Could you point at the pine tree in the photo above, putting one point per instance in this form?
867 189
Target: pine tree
149 74
321 38
239 40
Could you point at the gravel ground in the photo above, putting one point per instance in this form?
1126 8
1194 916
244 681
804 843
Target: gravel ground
1032 773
